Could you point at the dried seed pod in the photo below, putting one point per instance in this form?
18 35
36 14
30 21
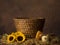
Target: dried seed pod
38 35
45 38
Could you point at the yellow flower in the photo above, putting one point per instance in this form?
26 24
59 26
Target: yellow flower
20 37
10 38
13 33
18 33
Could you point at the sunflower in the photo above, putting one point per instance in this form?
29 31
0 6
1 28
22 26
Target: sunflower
20 37
13 33
10 38
19 33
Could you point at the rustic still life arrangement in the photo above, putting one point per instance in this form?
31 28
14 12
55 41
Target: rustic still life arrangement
29 32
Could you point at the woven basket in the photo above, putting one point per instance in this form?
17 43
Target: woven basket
29 26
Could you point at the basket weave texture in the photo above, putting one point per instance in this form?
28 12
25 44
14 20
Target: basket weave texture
29 26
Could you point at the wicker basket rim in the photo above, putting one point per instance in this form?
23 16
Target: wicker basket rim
40 18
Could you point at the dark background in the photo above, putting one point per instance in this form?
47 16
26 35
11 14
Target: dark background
49 9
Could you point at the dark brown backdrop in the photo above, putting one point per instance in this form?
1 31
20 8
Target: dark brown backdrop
50 9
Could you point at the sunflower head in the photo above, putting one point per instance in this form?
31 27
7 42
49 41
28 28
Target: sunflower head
18 33
12 33
20 37
10 38
17 36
